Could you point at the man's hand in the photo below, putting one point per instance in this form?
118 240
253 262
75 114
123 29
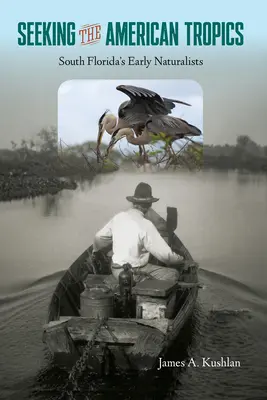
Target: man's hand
95 254
95 257
181 265
189 264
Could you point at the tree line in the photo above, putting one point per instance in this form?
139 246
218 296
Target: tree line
246 154
46 156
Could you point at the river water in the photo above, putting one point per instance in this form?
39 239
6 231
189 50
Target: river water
223 222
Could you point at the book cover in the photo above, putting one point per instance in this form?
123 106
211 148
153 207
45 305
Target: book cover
133 160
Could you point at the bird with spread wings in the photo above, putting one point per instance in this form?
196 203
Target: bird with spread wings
143 117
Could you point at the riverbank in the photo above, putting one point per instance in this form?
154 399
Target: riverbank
43 173
29 186
35 168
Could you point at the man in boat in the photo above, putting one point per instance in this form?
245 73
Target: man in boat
134 238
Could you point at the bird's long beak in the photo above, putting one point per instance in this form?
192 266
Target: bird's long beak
114 139
194 131
100 134
112 143
99 140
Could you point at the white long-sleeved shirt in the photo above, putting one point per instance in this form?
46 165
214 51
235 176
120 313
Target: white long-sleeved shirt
134 238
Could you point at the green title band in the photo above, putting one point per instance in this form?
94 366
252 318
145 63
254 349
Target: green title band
131 34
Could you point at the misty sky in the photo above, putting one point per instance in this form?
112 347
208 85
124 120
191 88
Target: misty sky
82 102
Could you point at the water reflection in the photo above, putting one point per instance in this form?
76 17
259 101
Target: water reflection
34 202
222 220
51 204
244 178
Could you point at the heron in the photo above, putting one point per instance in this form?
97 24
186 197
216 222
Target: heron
134 113
107 122
157 127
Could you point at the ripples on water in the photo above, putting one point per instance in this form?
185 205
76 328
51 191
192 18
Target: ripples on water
223 325
230 319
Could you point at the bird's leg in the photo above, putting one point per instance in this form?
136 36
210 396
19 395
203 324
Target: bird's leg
146 160
171 149
170 152
98 155
137 132
141 155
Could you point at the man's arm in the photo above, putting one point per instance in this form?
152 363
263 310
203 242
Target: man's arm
157 246
103 238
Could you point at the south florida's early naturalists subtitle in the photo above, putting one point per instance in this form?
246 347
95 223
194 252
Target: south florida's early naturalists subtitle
203 362
131 61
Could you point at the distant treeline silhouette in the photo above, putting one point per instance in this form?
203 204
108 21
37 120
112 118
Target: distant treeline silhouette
246 155
46 157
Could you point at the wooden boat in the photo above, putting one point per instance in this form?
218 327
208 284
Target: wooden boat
134 343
